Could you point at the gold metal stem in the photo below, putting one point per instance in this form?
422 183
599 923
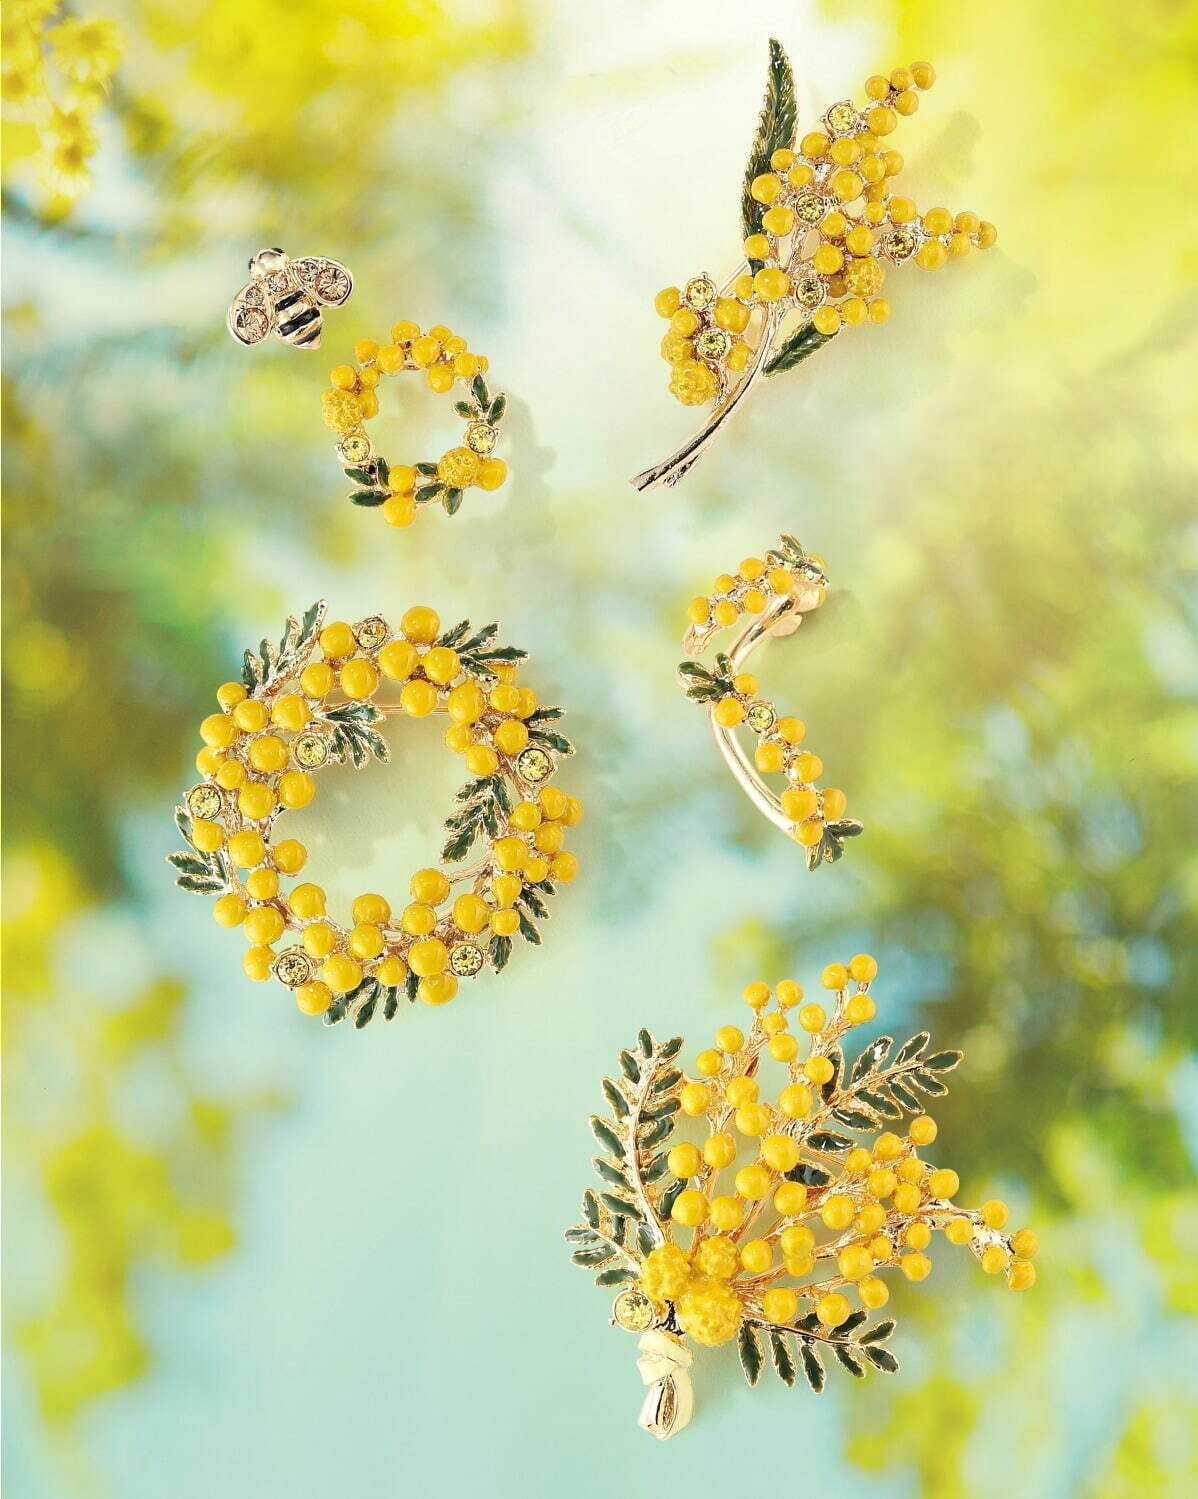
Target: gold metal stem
682 461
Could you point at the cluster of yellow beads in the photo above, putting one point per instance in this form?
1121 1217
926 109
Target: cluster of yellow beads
705 338
751 590
808 807
250 753
830 227
442 356
834 190
352 399
877 1211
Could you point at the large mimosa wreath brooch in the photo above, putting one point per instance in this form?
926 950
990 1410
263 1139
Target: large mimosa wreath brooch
317 700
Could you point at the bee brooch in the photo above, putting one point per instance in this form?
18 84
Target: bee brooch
286 296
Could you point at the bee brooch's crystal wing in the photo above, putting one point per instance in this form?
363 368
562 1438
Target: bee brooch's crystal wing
327 280
251 316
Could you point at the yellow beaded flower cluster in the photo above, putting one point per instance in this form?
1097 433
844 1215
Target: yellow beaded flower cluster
352 400
760 586
778 1222
822 229
703 345
307 704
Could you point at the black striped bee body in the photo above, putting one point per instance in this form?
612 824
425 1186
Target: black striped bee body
285 297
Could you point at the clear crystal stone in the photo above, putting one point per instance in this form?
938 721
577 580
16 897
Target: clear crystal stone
534 764
712 343
251 324
293 967
761 717
700 293
332 284
371 633
465 959
842 119
481 437
204 801
810 207
810 291
898 244
310 750
633 1311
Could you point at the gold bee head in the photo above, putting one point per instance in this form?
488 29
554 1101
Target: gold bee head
267 261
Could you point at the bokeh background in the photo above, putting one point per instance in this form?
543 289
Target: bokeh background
250 1256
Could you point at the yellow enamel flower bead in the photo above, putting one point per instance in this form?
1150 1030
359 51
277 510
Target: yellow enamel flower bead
832 1309
779 1305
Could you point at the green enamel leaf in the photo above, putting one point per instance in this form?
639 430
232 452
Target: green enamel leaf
801 344
854 1366
619 1206
882 1358
611 1174
615 1277
911 1048
607 1137
200 886
775 130
812 1367
592 1258
784 1361
619 1104
556 742
748 1345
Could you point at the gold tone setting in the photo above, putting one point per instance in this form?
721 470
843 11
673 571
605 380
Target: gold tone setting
351 401
766 597
822 229
775 1225
307 703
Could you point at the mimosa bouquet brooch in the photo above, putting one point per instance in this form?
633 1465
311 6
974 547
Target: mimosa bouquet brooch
822 230
729 1211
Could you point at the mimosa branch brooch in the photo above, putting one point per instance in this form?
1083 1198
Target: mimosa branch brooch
822 230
